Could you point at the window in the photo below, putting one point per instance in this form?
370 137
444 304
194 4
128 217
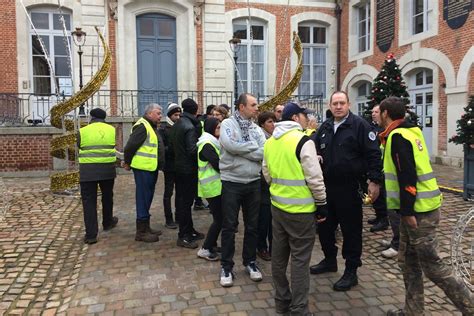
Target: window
421 13
50 30
363 92
251 61
363 27
313 80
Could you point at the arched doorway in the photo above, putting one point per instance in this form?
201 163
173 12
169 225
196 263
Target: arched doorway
156 60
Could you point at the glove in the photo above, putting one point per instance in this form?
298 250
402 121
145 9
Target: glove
321 211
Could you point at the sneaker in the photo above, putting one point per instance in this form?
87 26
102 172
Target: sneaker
186 243
208 255
171 225
389 253
112 224
253 271
227 278
381 225
264 255
90 241
396 312
200 207
385 243
197 235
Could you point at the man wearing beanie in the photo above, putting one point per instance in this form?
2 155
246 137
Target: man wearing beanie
144 154
96 143
240 164
172 116
184 135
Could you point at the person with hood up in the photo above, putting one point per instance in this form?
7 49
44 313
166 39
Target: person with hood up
209 183
298 197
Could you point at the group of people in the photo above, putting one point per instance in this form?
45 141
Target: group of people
286 179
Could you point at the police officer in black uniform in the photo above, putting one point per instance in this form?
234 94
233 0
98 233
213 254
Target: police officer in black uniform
350 153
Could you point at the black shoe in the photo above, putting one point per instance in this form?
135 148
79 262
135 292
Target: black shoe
112 224
171 225
90 241
200 206
396 312
381 225
372 220
197 235
347 281
186 243
324 266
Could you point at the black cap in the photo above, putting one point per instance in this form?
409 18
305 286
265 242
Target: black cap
291 109
189 106
98 113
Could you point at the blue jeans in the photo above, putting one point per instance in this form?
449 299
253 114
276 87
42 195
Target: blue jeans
145 182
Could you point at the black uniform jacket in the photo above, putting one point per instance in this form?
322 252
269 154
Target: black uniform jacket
184 136
351 154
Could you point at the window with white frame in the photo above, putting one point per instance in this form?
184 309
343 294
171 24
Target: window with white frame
313 80
251 52
363 26
50 29
421 14
363 92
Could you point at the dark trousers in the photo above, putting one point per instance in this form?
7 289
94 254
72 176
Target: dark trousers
145 182
186 188
234 196
294 237
89 204
265 227
169 187
344 209
215 204
394 219
380 205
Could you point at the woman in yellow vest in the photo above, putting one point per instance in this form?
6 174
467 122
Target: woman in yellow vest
209 184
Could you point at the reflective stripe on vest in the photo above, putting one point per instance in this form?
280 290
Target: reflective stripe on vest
209 180
288 189
428 195
146 157
97 143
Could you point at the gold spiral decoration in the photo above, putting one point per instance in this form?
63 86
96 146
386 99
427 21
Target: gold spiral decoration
284 95
64 180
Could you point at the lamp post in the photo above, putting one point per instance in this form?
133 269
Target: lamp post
234 47
79 37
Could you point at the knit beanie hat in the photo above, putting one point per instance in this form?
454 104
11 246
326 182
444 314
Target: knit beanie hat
189 106
98 113
210 125
173 108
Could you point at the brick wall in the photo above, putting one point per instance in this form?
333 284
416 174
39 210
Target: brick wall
8 51
25 153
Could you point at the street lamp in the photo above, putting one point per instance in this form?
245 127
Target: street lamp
79 37
234 47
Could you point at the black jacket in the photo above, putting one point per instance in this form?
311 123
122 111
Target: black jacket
184 136
137 138
351 154
165 130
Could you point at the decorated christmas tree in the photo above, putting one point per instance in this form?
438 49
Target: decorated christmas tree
465 130
389 82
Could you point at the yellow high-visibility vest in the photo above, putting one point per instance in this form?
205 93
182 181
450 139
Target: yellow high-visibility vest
209 183
97 143
146 157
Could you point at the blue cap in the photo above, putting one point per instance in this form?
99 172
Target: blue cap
291 109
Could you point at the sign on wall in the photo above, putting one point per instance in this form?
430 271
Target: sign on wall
456 12
385 24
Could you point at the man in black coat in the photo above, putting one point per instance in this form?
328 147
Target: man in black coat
184 135
350 154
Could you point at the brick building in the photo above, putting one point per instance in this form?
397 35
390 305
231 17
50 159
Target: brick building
182 47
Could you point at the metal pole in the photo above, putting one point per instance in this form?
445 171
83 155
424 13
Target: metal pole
236 87
81 108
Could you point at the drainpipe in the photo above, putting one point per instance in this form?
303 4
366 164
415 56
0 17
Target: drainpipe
338 12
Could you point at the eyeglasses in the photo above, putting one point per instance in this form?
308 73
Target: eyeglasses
279 111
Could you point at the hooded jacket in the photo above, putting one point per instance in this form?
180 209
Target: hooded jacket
306 154
241 161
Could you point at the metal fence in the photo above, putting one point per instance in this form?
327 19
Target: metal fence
26 108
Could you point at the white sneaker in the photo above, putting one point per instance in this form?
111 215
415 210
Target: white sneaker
227 278
254 272
206 254
386 243
389 253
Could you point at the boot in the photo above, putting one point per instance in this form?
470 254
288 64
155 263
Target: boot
152 231
380 225
326 265
169 214
143 234
347 281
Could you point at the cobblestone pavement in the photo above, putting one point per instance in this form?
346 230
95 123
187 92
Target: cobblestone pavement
45 267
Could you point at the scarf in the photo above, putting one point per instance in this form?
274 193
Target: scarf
244 125
169 121
383 135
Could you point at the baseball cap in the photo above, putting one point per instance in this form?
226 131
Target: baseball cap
291 109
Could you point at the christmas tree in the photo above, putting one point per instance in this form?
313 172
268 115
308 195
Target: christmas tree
465 130
389 82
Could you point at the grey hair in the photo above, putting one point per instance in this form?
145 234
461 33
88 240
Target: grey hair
152 106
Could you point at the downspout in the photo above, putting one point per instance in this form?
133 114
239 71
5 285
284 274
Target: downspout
338 12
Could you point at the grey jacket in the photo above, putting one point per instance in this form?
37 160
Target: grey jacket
240 161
